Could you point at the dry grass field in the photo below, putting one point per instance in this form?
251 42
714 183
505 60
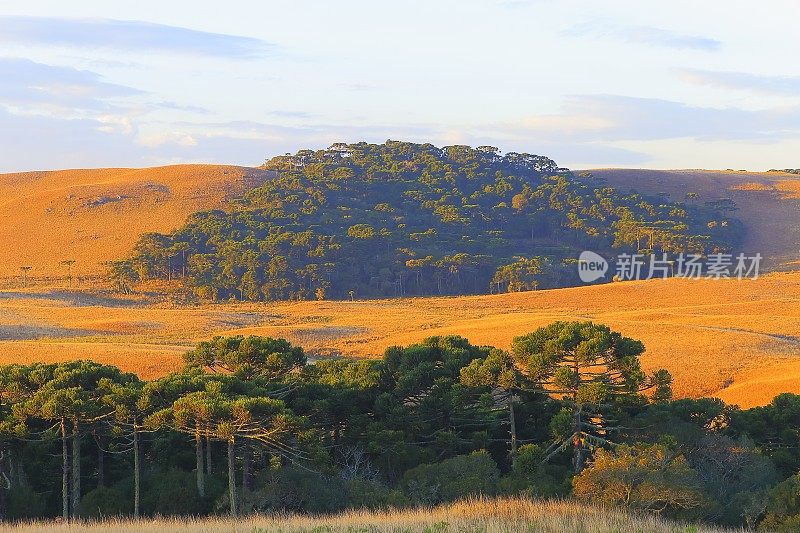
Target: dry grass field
738 340
96 215
768 203
487 516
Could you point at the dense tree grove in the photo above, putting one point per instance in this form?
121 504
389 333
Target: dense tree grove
365 220
249 425
787 170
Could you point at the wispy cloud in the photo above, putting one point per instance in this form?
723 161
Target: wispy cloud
25 83
291 114
517 4
34 142
127 35
780 85
593 118
645 35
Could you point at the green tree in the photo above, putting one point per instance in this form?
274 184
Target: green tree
361 231
227 418
248 357
71 393
458 477
590 367
641 477
130 407
498 371
783 509
458 217
521 275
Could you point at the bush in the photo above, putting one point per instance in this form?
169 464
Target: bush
365 494
174 492
641 477
293 489
783 507
533 479
735 476
452 479
25 504
106 501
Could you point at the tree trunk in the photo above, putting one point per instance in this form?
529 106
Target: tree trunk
64 473
208 456
246 455
198 451
4 503
579 456
76 468
513 423
137 473
232 476
101 463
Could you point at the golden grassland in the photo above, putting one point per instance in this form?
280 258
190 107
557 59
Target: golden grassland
736 340
768 202
482 515
97 215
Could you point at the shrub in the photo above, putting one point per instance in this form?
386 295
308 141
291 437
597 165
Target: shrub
106 501
365 494
533 479
293 489
783 507
641 477
24 503
173 492
452 479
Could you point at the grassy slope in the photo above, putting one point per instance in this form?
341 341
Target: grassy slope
739 340
768 202
96 215
489 516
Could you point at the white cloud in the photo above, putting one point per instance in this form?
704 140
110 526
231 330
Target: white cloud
27 84
127 35
778 85
593 118
152 140
645 35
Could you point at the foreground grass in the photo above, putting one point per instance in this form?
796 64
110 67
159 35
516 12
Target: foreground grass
485 516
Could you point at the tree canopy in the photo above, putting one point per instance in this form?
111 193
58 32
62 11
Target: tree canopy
382 220
240 429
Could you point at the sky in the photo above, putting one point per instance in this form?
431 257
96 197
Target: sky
596 83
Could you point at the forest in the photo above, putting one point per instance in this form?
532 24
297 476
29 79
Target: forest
251 425
373 221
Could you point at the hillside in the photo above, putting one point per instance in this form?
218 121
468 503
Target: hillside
768 203
97 215
401 218
738 340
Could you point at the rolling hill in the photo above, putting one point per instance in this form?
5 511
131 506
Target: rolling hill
97 215
768 203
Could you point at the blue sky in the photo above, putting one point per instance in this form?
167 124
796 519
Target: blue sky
678 84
